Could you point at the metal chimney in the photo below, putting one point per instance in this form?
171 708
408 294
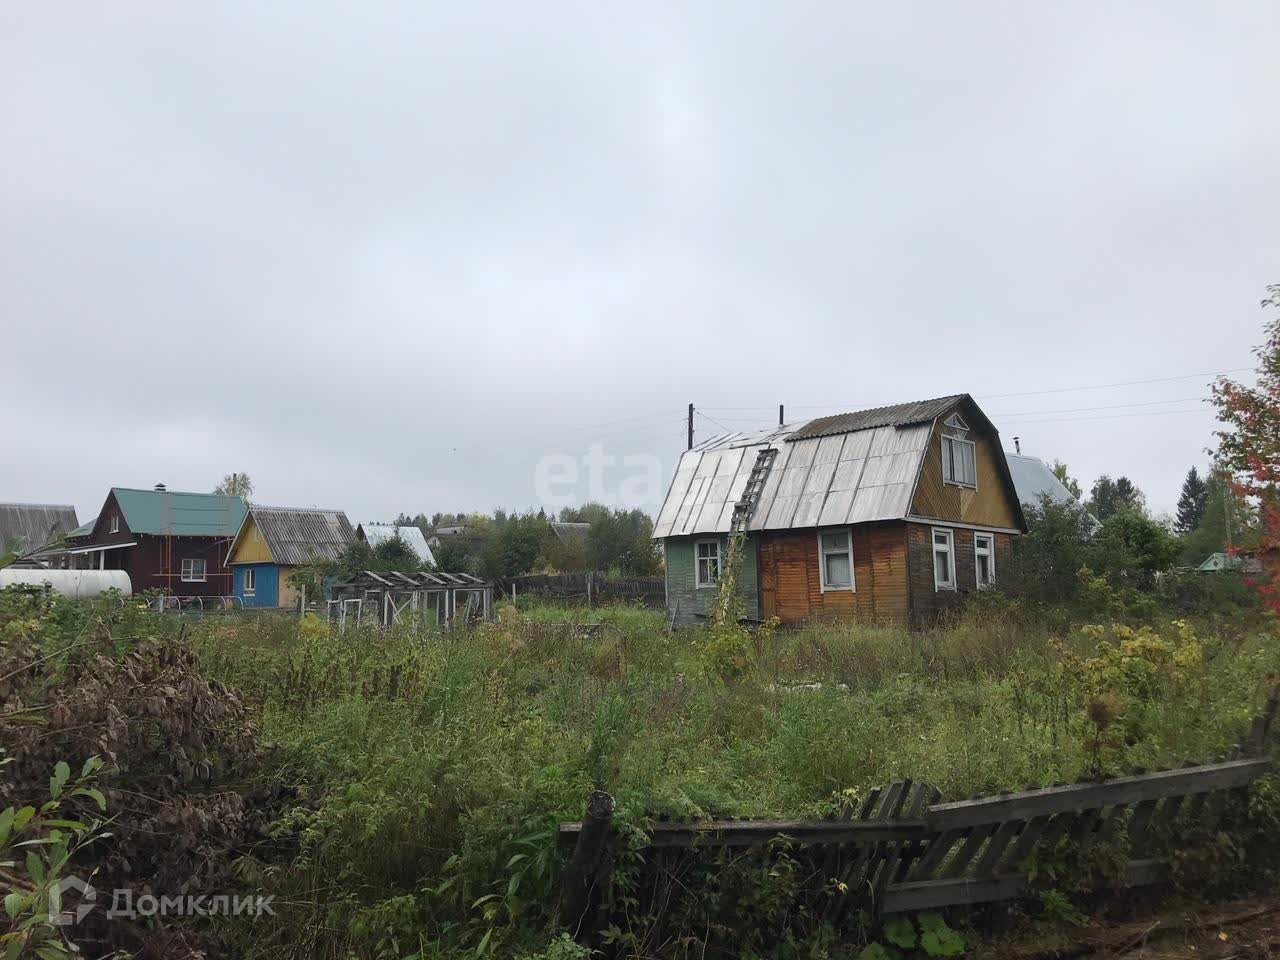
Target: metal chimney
1017 445
160 488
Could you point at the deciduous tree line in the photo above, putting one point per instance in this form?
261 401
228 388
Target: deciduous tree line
1233 508
514 544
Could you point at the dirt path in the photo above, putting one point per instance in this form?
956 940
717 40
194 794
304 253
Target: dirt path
1242 930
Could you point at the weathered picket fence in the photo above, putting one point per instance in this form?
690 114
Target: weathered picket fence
901 850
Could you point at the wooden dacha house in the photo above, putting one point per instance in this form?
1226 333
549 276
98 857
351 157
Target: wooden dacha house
166 540
888 515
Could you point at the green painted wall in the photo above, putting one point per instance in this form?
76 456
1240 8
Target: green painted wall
688 604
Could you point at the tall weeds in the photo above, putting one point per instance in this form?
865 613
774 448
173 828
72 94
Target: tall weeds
433 768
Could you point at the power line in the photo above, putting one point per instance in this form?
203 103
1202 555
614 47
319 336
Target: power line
1112 416
1105 386
1005 415
647 417
1020 417
829 404
1109 406
715 421
1050 416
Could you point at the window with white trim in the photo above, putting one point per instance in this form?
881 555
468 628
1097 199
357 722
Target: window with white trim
708 560
944 560
115 523
958 465
835 560
984 559
958 453
193 570
250 581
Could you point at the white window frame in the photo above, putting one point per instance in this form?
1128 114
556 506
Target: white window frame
188 570
699 583
947 462
249 581
115 523
934 532
822 561
989 551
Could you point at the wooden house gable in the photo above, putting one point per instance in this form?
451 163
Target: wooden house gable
964 477
111 524
250 546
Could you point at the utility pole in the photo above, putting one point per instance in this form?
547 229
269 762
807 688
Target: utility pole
781 421
690 426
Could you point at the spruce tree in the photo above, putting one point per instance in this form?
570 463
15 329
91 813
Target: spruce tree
1191 503
1109 497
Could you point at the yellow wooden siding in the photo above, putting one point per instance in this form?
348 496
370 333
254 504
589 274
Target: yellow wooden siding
991 504
250 547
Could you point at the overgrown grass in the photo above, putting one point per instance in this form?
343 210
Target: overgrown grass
431 770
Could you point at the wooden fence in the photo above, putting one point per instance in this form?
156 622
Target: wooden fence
588 588
901 850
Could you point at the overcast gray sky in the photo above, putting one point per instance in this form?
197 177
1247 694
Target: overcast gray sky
387 256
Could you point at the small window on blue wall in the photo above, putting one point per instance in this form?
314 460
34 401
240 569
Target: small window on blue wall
250 582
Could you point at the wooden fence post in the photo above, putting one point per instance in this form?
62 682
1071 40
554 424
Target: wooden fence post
1256 743
584 873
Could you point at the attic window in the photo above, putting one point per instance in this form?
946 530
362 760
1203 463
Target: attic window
958 464
115 524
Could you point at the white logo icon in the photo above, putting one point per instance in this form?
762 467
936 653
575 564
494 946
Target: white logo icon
88 896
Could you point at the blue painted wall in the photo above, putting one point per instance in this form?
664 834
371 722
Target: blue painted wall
266 585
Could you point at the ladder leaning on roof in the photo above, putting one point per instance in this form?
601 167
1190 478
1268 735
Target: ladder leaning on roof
745 508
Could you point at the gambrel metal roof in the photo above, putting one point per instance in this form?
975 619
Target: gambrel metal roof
853 477
850 468
897 415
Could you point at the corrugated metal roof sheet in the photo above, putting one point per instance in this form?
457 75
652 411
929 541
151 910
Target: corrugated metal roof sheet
568 531
376 533
855 477
180 514
296 535
850 468
897 415
35 523
1033 479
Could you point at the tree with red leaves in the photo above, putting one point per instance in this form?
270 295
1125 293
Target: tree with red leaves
1249 446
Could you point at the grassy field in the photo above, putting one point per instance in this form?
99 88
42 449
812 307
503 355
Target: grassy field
431 771
398 792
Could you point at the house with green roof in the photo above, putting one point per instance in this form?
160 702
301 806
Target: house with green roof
167 540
